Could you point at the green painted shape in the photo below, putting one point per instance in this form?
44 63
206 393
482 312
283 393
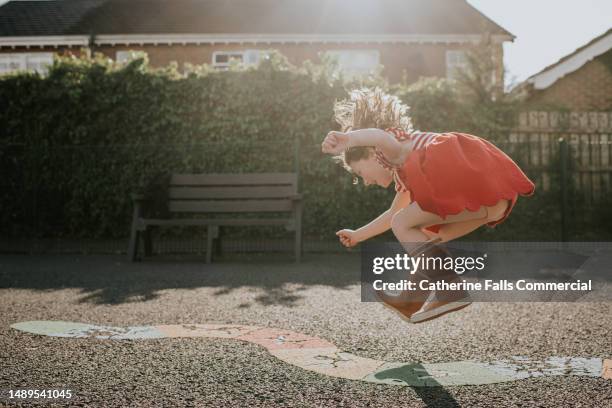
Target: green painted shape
435 375
54 328
519 367
81 330
138 332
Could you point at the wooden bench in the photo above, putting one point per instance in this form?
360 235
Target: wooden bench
224 196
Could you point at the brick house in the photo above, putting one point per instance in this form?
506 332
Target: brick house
410 38
580 81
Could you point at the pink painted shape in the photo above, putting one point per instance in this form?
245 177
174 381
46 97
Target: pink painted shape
226 331
607 369
274 339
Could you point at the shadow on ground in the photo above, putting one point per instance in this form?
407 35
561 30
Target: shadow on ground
110 279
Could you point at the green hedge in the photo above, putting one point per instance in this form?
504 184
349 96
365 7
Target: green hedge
76 142
91 132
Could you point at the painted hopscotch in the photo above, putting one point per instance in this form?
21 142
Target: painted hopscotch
321 356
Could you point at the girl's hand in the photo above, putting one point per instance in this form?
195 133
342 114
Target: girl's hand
335 143
348 237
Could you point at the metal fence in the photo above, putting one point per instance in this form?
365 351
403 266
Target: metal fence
569 155
589 139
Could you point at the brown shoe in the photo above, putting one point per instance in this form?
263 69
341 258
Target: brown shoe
403 305
408 302
441 302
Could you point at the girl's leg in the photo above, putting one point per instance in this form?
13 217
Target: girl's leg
407 227
455 230
406 224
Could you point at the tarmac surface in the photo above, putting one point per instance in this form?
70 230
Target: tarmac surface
319 298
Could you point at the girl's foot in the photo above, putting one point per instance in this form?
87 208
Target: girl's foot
439 304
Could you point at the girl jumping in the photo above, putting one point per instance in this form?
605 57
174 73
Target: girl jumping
447 184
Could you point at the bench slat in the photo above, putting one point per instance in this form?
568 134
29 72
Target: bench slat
220 221
227 206
233 179
231 192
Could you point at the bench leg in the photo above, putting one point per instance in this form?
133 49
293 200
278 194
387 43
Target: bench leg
134 240
298 248
218 249
298 234
148 244
212 232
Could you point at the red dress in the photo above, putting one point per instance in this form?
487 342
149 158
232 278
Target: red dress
447 173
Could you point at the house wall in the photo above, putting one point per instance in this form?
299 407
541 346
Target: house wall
415 60
587 89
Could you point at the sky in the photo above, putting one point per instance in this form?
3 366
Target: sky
545 30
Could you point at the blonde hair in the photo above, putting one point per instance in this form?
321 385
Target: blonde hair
368 108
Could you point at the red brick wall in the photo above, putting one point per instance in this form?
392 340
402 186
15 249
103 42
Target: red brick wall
587 89
416 59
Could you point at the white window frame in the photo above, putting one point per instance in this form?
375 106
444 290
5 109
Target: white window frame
247 57
455 59
346 55
127 55
26 61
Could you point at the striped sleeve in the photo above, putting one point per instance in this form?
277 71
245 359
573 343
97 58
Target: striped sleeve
422 139
399 133
419 140
401 136
400 187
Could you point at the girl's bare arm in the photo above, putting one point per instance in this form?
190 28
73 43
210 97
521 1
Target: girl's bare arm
382 223
393 150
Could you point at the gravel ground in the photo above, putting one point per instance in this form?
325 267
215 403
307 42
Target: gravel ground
320 297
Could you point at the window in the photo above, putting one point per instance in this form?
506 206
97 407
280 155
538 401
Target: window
352 62
11 62
37 62
455 61
221 59
124 56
